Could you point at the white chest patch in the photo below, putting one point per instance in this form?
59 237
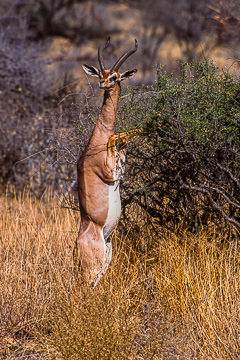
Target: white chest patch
114 210
114 202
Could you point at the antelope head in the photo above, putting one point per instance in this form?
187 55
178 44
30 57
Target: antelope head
109 77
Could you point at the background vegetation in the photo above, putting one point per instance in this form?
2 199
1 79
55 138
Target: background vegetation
42 46
172 289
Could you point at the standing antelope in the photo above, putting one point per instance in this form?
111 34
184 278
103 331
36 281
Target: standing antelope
100 168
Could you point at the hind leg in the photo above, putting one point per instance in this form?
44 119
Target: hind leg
106 262
90 252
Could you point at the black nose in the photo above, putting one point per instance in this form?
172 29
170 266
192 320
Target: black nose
101 85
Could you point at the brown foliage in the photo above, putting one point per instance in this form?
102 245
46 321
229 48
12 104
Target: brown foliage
163 296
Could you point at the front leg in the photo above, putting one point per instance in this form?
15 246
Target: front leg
111 151
115 156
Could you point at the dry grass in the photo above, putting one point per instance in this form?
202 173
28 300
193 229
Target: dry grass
163 297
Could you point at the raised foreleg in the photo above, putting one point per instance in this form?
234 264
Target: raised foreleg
112 148
123 137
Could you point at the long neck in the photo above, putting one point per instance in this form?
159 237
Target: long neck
108 113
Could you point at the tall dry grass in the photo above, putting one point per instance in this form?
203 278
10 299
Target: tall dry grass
164 296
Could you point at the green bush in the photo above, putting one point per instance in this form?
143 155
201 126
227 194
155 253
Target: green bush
185 168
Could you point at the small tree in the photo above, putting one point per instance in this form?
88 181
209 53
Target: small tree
186 170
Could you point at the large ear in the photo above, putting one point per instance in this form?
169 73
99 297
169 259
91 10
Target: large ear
91 70
128 74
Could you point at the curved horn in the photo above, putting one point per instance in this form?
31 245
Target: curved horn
100 50
124 57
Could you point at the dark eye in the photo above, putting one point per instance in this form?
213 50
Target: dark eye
113 78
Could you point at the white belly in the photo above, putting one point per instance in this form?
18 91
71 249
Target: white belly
114 213
114 210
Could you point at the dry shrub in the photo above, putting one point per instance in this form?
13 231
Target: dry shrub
36 261
164 296
200 283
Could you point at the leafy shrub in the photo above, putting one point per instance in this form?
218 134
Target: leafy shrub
186 168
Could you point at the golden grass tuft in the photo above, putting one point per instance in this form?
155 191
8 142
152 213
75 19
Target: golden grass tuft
164 296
